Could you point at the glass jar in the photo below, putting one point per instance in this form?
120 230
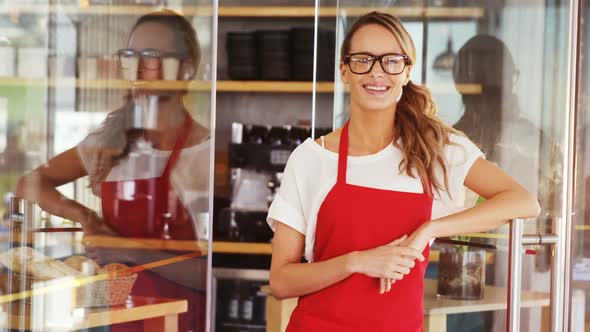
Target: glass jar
461 272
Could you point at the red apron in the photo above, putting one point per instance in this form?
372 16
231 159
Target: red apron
149 208
356 218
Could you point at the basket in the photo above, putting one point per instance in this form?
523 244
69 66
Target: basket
110 292
113 291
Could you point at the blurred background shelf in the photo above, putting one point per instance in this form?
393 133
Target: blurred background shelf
222 86
248 11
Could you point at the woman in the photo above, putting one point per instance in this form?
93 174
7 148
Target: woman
148 162
363 203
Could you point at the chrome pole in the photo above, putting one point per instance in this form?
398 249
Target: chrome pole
563 250
28 223
557 279
514 275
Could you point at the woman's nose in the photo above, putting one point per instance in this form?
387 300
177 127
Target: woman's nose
377 70
150 69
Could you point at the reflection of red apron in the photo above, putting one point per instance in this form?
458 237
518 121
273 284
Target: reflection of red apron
355 218
149 208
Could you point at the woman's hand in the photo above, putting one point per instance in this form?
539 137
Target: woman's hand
391 261
417 240
103 249
93 225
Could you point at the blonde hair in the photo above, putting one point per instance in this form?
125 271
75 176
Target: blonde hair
423 135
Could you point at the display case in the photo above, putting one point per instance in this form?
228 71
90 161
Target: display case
125 85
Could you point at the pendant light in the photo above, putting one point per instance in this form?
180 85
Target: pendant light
445 60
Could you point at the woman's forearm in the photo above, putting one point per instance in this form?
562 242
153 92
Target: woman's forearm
487 215
298 279
33 188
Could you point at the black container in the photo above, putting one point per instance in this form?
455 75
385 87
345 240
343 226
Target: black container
297 135
255 134
273 55
241 51
278 135
302 54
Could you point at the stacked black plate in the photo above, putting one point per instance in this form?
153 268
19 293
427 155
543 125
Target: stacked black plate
241 52
302 54
280 55
273 55
326 54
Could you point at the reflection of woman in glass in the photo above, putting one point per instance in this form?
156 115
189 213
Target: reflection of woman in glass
149 164
363 202
492 119
486 61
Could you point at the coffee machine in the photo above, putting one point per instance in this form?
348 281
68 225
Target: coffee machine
257 157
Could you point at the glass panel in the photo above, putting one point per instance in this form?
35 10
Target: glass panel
105 164
264 103
493 72
580 256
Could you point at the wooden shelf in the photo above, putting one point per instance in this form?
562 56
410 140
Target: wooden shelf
270 86
156 311
405 12
222 86
249 11
177 245
218 246
103 84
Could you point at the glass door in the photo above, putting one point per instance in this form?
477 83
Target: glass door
498 72
105 163
579 276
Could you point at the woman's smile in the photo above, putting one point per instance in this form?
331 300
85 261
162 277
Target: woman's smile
376 89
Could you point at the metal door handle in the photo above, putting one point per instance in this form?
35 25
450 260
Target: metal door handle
517 242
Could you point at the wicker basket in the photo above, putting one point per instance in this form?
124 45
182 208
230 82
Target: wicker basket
110 292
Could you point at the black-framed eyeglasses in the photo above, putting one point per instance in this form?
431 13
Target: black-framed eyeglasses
128 55
362 63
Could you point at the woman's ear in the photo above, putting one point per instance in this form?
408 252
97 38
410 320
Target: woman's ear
187 70
344 72
407 72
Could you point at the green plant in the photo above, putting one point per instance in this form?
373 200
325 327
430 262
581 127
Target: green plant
461 248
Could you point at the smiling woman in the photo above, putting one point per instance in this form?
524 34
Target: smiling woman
363 202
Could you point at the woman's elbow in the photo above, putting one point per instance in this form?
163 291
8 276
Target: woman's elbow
276 289
533 208
24 187
29 186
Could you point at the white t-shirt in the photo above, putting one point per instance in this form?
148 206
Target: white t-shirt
311 172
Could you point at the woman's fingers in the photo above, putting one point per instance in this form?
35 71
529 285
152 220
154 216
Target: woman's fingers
386 283
398 241
411 252
381 285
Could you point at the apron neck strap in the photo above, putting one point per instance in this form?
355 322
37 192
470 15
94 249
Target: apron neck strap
343 153
178 144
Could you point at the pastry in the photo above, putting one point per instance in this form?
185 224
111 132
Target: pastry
115 268
83 264
26 261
